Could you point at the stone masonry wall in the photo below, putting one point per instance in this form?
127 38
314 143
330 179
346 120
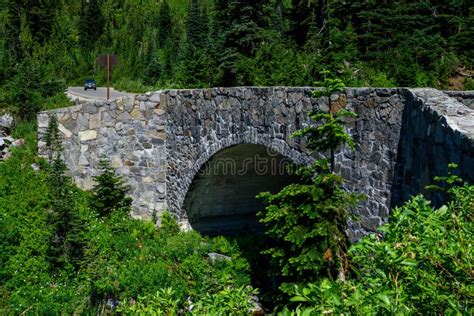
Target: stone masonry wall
437 130
160 140
203 122
465 97
130 132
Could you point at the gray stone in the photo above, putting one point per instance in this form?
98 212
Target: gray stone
87 135
218 257
35 167
6 121
43 120
124 116
89 108
67 133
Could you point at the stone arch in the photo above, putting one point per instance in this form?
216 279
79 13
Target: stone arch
221 195
205 153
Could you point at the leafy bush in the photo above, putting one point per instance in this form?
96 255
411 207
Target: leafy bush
123 259
229 301
469 84
421 264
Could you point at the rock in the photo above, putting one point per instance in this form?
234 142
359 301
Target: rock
136 113
116 161
87 135
18 142
6 121
94 121
83 160
218 257
184 225
6 155
159 112
147 179
90 108
35 167
257 309
67 133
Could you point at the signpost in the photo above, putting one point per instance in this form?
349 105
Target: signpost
108 61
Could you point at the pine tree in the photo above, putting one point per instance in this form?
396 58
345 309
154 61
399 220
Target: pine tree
193 21
24 87
41 15
307 220
164 23
239 25
153 67
66 248
12 30
301 20
109 194
91 23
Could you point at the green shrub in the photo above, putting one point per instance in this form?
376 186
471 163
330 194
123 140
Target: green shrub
229 301
468 84
422 264
124 259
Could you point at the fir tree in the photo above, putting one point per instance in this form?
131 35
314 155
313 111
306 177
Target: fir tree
307 220
153 68
41 15
109 194
164 23
91 23
66 248
193 21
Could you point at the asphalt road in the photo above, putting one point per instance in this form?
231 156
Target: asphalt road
99 94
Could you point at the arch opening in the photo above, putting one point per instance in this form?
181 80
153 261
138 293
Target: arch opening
222 197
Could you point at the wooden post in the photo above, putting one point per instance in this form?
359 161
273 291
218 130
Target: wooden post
108 77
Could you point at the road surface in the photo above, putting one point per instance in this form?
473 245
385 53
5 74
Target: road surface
90 94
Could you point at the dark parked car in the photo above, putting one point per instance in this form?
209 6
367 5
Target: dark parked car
90 84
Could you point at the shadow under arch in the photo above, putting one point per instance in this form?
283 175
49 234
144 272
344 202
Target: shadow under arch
221 199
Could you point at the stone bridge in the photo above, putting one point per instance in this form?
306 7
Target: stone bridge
204 154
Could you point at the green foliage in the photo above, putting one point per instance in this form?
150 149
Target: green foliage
469 84
330 133
446 182
65 247
109 192
91 23
182 43
229 301
160 303
421 264
73 263
308 220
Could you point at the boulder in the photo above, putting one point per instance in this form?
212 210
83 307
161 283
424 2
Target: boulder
6 121
218 257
